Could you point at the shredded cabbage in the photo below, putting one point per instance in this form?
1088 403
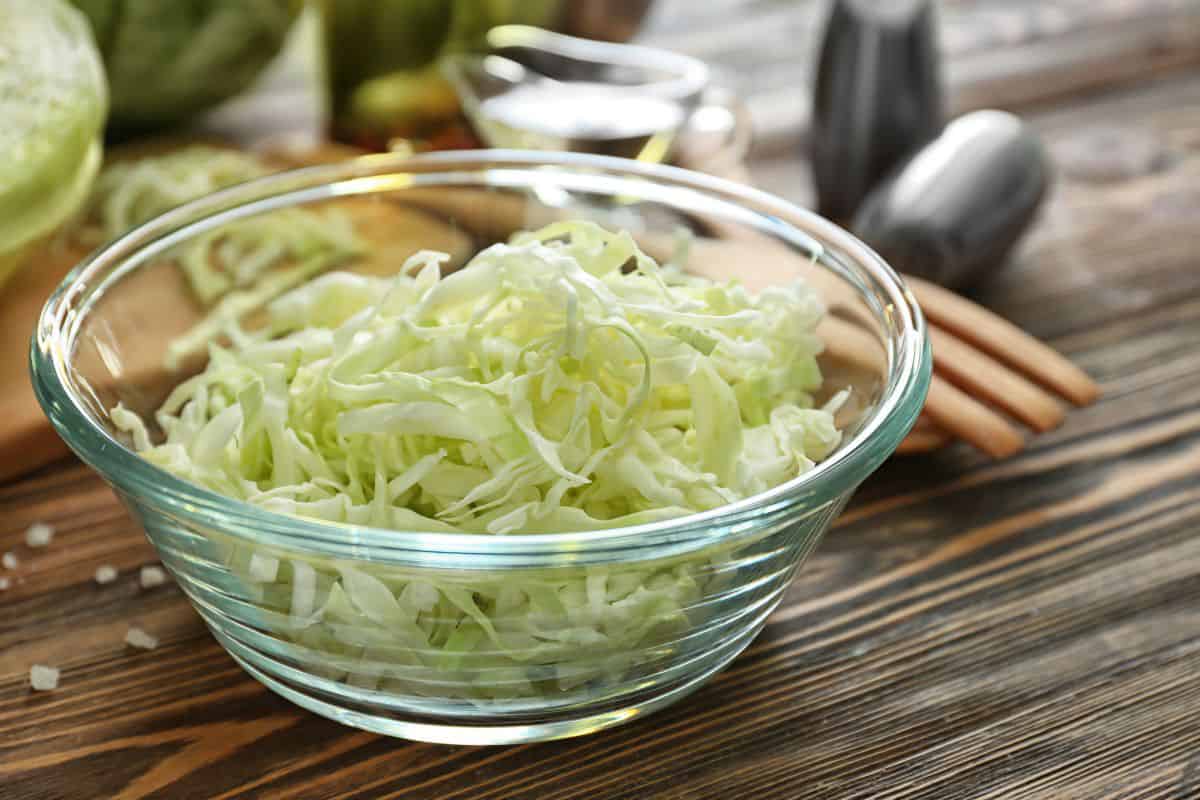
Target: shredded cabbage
130 192
561 381
540 388
235 257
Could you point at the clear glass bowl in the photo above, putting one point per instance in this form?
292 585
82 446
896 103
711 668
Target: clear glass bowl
628 619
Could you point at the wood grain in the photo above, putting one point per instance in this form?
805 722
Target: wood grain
969 629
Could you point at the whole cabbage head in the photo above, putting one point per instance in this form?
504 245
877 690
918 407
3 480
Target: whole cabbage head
169 60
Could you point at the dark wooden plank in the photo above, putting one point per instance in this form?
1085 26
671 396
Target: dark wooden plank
1028 628
897 643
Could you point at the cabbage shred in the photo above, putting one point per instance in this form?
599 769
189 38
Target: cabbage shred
130 192
228 261
561 381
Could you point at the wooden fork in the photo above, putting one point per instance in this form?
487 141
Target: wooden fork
984 366
999 365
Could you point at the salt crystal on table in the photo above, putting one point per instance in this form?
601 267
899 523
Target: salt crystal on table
9 560
150 577
43 678
136 637
39 534
105 573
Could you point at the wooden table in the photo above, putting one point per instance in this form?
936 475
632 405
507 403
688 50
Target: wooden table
969 629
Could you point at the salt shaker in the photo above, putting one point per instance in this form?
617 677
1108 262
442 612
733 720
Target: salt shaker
954 210
877 96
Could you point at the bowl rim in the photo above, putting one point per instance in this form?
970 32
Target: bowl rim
890 420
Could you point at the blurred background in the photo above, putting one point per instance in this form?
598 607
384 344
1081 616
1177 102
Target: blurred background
1013 54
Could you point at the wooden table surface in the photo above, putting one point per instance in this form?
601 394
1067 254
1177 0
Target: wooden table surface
969 629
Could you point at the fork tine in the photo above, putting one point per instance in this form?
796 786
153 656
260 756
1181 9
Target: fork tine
949 407
1006 341
965 417
988 379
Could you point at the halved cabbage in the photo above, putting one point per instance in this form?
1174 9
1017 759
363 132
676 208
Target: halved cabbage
169 60
53 103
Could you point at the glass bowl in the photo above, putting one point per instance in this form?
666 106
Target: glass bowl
483 639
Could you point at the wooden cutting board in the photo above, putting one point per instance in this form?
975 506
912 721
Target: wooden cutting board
26 438
155 301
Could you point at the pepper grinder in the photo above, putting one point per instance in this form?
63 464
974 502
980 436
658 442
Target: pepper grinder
877 97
